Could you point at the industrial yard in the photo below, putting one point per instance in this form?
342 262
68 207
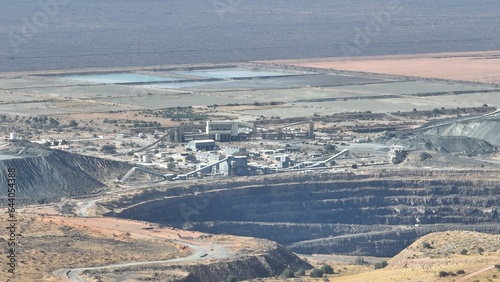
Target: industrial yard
345 161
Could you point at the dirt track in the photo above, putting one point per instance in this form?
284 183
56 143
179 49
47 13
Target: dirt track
200 253
469 276
201 250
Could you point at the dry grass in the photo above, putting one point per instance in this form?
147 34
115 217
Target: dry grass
47 245
419 263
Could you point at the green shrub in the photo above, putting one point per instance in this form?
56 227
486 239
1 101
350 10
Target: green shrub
231 278
380 265
315 273
327 269
426 245
108 149
424 156
461 271
300 272
464 252
359 261
287 273
443 274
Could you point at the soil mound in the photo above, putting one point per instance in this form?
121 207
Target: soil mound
444 144
43 174
485 129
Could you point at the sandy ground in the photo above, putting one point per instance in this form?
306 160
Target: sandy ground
112 226
473 66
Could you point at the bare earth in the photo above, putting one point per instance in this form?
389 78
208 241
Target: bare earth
472 66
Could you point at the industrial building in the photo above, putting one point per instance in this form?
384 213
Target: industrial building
205 145
231 150
226 131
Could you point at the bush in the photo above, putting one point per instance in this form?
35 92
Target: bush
287 273
464 252
73 123
497 266
443 274
231 278
108 149
170 165
327 269
315 273
330 148
190 158
426 245
424 156
359 261
380 265
300 272
461 271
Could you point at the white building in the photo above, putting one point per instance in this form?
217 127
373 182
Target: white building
225 131
205 145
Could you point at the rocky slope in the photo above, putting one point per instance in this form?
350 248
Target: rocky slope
386 206
43 174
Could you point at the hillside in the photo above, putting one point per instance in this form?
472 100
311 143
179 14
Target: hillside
441 257
43 174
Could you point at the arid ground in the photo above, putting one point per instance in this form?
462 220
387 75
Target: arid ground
481 67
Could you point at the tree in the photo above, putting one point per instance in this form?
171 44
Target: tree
191 158
73 123
359 261
327 269
426 245
380 265
480 250
287 273
443 274
330 148
315 273
231 278
170 165
108 149
300 272
424 156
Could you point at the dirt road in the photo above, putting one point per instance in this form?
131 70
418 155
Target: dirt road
202 249
200 253
469 276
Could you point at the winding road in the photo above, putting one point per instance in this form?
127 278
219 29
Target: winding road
200 253
201 250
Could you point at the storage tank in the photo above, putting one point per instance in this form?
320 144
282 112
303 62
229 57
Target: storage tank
13 136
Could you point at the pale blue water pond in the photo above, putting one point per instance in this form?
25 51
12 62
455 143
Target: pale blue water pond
234 73
119 78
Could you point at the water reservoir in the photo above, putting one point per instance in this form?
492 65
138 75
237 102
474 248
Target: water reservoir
119 78
234 73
